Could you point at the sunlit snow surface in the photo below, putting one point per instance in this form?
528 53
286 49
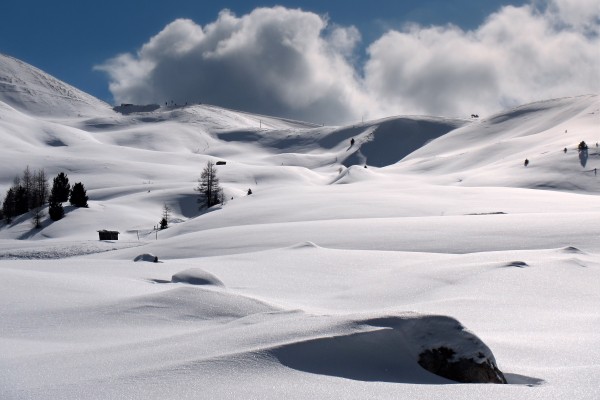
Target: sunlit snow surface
327 281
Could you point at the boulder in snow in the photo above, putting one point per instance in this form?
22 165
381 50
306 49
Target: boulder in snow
146 257
442 362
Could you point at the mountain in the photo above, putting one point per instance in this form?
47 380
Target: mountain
362 252
32 91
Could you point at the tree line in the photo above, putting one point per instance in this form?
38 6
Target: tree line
30 193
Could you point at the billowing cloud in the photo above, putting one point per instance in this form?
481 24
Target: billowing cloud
293 63
519 54
274 60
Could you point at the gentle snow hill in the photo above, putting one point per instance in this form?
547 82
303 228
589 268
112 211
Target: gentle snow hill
328 281
492 151
33 91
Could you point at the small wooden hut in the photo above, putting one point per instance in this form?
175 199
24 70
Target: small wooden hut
108 235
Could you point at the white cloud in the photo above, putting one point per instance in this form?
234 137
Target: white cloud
273 60
517 55
291 63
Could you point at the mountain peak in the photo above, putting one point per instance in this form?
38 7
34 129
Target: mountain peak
32 91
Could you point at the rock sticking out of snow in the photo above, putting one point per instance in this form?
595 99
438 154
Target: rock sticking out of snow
146 257
196 276
442 362
518 264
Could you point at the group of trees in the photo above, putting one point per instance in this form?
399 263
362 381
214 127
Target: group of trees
29 193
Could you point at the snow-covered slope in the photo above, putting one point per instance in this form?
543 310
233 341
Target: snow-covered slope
328 281
33 91
491 152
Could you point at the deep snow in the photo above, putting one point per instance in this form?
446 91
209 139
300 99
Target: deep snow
327 281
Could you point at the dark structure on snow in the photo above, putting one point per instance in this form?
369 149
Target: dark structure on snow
108 235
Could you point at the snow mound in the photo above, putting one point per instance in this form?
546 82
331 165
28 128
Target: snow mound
571 250
146 257
187 304
196 276
389 353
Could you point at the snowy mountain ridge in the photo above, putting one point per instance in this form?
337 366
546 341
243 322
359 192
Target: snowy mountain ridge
362 250
31 90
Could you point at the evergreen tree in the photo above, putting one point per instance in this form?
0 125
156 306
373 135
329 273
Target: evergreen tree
55 208
8 206
78 195
208 186
21 200
164 221
61 188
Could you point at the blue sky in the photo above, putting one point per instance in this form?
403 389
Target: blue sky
364 59
67 38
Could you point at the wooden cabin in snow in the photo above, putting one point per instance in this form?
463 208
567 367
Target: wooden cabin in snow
108 235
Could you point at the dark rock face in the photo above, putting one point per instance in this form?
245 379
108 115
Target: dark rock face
440 361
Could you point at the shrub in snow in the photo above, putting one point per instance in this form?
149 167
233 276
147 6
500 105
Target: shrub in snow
38 214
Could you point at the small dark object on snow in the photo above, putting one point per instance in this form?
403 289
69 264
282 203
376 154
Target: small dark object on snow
156 259
351 142
582 146
108 235
221 162
365 165
249 192
565 150
526 163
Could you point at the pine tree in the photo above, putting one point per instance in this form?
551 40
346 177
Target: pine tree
164 221
8 206
61 187
21 200
208 186
55 208
78 195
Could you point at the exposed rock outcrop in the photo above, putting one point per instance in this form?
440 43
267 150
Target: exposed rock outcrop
442 361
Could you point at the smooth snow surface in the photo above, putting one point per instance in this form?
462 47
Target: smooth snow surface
327 281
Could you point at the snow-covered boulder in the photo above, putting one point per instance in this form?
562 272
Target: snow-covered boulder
448 349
